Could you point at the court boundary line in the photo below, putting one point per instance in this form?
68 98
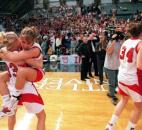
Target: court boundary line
25 122
59 120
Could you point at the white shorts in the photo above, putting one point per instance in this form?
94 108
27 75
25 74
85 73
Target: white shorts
134 91
33 107
30 97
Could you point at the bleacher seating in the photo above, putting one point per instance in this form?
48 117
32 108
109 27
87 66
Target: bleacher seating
123 9
18 7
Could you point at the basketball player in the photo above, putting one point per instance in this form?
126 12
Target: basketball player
29 95
130 77
24 73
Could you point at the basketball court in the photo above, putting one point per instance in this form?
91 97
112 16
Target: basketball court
71 104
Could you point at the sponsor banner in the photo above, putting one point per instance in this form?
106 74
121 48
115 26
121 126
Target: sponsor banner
69 59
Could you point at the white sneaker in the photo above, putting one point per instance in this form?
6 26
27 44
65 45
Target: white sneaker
131 129
110 127
9 108
5 111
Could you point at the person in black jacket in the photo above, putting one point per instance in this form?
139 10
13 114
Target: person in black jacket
84 54
92 43
101 52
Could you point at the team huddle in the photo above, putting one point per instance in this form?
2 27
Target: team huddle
23 58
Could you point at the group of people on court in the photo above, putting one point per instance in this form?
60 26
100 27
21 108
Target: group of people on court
24 66
130 77
24 62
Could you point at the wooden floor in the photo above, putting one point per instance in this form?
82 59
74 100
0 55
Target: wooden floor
71 104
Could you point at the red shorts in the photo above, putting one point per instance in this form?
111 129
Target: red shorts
134 91
31 99
40 74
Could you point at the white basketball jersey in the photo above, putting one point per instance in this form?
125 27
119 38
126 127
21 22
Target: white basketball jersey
128 56
30 97
36 45
12 69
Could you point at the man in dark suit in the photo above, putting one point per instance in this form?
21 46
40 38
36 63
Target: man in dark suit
92 42
84 54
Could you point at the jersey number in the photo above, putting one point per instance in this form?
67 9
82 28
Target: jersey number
129 54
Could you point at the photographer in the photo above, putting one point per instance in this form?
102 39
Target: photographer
112 63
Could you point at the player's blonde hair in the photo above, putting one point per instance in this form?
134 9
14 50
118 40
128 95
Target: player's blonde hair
2 37
8 39
30 33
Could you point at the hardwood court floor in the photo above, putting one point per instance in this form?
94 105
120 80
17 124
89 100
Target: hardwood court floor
72 105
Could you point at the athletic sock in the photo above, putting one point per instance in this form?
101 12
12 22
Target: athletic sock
131 126
6 99
113 120
111 124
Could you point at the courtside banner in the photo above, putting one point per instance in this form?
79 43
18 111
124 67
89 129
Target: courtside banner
69 59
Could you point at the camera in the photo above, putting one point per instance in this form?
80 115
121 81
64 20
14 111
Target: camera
109 31
118 36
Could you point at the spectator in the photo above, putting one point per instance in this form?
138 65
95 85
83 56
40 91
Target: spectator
101 52
84 54
92 43
45 45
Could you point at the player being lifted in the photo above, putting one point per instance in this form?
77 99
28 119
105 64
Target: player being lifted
33 50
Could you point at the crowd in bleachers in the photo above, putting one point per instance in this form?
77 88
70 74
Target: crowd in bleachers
87 32
60 34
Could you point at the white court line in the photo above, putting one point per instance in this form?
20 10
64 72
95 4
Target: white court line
24 123
59 120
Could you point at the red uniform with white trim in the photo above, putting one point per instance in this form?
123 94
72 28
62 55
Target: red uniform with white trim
127 76
40 72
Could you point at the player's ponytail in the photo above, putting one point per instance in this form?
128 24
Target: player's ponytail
35 31
30 33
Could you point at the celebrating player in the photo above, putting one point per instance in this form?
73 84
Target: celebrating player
130 77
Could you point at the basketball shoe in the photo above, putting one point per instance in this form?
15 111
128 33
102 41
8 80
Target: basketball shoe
9 108
110 127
